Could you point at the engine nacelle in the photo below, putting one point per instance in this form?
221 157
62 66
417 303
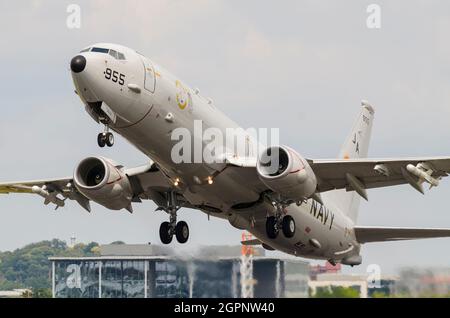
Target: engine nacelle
101 181
287 173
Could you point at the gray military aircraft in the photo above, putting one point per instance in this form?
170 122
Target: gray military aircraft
304 207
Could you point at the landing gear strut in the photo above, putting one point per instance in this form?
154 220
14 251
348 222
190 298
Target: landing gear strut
168 229
278 222
105 138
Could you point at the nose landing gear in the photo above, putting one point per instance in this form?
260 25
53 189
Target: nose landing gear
168 229
105 138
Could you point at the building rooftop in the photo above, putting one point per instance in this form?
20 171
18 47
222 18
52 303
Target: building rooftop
151 252
135 250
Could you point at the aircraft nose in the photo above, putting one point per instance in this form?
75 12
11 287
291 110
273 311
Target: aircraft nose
78 64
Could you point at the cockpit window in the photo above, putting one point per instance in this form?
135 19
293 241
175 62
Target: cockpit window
85 50
113 54
100 50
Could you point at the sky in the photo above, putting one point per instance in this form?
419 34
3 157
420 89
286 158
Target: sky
300 66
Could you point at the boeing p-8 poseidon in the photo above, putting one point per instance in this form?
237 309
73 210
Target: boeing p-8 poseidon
302 206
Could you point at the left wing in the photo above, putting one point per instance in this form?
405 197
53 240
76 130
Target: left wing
360 174
383 234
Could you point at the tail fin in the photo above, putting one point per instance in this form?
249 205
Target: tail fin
355 146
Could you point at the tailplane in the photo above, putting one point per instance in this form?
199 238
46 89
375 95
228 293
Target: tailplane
366 234
355 146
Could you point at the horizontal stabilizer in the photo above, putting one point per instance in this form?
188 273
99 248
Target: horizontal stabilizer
383 234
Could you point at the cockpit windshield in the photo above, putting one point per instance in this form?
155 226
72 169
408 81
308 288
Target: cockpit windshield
99 50
113 53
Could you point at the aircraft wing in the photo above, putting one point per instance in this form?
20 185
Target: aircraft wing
360 174
383 234
54 191
147 183
26 186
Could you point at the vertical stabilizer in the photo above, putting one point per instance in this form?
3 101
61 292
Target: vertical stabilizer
355 146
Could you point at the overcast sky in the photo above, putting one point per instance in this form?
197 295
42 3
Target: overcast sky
301 66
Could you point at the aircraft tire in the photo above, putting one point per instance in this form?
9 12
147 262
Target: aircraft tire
164 233
182 232
101 140
109 139
288 226
271 229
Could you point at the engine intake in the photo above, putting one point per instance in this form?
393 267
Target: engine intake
287 173
101 181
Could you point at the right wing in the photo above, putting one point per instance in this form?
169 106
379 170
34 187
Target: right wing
54 191
365 234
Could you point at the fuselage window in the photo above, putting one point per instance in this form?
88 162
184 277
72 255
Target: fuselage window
99 50
85 50
121 56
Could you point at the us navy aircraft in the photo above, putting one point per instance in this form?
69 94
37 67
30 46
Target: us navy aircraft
306 207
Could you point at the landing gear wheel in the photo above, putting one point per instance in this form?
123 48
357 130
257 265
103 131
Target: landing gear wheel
182 232
271 227
288 226
109 139
165 233
101 140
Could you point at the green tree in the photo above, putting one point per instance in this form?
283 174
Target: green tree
379 294
89 248
29 267
335 292
42 293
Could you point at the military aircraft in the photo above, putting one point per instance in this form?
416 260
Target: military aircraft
301 206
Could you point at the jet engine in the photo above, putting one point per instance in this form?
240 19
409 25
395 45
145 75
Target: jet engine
287 173
101 181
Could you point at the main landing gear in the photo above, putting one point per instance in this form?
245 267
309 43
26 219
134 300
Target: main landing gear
168 229
278 222
105 138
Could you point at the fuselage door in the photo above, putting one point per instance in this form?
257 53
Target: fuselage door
150 77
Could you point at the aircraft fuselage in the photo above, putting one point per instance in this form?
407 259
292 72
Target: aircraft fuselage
146 103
